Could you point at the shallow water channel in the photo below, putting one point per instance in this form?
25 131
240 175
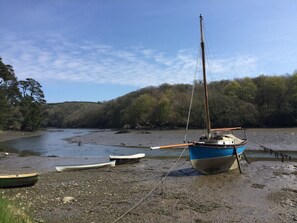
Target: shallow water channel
58 142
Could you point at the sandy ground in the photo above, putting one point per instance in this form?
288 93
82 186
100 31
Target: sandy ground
265 192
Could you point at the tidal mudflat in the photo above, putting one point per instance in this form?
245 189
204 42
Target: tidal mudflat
265 192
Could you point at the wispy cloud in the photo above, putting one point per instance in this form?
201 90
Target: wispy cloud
55 58
233 67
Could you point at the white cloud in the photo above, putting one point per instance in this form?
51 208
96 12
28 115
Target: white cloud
233 67
55 58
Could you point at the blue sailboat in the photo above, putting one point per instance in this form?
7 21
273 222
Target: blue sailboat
218 150
218 153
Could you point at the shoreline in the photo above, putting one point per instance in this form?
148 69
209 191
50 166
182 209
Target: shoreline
265 192
12 135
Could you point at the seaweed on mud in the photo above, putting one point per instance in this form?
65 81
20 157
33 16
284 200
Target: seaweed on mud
259 186
286 197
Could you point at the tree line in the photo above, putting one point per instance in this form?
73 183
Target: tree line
264 101
20 101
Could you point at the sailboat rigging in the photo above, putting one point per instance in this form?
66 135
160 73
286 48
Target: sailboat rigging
218 151
208 125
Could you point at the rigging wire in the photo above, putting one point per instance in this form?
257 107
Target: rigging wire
192 96
148 194
209 52
182 153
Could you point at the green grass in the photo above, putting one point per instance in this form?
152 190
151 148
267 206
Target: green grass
10 214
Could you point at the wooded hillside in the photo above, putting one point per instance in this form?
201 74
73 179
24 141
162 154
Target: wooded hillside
71 115
265 101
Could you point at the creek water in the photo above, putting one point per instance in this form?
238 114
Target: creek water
57 142
101 143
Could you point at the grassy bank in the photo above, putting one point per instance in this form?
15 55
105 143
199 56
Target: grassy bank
10 214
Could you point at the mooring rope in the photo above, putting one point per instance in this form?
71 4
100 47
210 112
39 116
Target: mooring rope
148 194
182 153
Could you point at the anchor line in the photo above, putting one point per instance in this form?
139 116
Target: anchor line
182 153
149 193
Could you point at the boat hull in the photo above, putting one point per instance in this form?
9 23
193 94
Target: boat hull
127 159
84 166
211 159
18 180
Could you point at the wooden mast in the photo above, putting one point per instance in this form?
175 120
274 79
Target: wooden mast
208 126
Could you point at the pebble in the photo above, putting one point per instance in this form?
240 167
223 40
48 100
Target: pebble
68 199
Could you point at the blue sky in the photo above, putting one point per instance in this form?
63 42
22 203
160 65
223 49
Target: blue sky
97 50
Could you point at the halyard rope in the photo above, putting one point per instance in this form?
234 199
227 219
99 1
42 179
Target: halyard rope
191 100
158 184
182 153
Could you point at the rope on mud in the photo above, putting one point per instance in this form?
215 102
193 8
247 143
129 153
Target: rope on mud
182 153
148 194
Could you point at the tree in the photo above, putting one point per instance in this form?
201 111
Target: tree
32 97
270 99
31 88
9 94
247 91
162 112
141 109
232 88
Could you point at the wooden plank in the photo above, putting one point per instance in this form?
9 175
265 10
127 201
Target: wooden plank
225 129
171 146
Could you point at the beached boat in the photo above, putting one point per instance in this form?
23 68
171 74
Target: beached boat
218 150
18 180
127 159
83 166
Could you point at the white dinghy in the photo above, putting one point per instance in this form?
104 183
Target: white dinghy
127 159
84 166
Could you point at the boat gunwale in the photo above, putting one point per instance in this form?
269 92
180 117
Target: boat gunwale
127 157
19 176
216 146
86 165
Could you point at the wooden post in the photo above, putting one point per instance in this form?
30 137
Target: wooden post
238 163
246 159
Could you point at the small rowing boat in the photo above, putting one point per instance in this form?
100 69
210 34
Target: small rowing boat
127 159
83 166
18 180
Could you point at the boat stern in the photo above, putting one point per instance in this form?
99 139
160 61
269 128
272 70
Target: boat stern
210 158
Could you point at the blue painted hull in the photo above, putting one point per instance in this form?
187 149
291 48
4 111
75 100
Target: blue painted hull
212 158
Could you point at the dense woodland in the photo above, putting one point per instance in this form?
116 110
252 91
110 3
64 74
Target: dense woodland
264 101
20 101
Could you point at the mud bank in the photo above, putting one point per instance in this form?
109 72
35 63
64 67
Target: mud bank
266 192
11 135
